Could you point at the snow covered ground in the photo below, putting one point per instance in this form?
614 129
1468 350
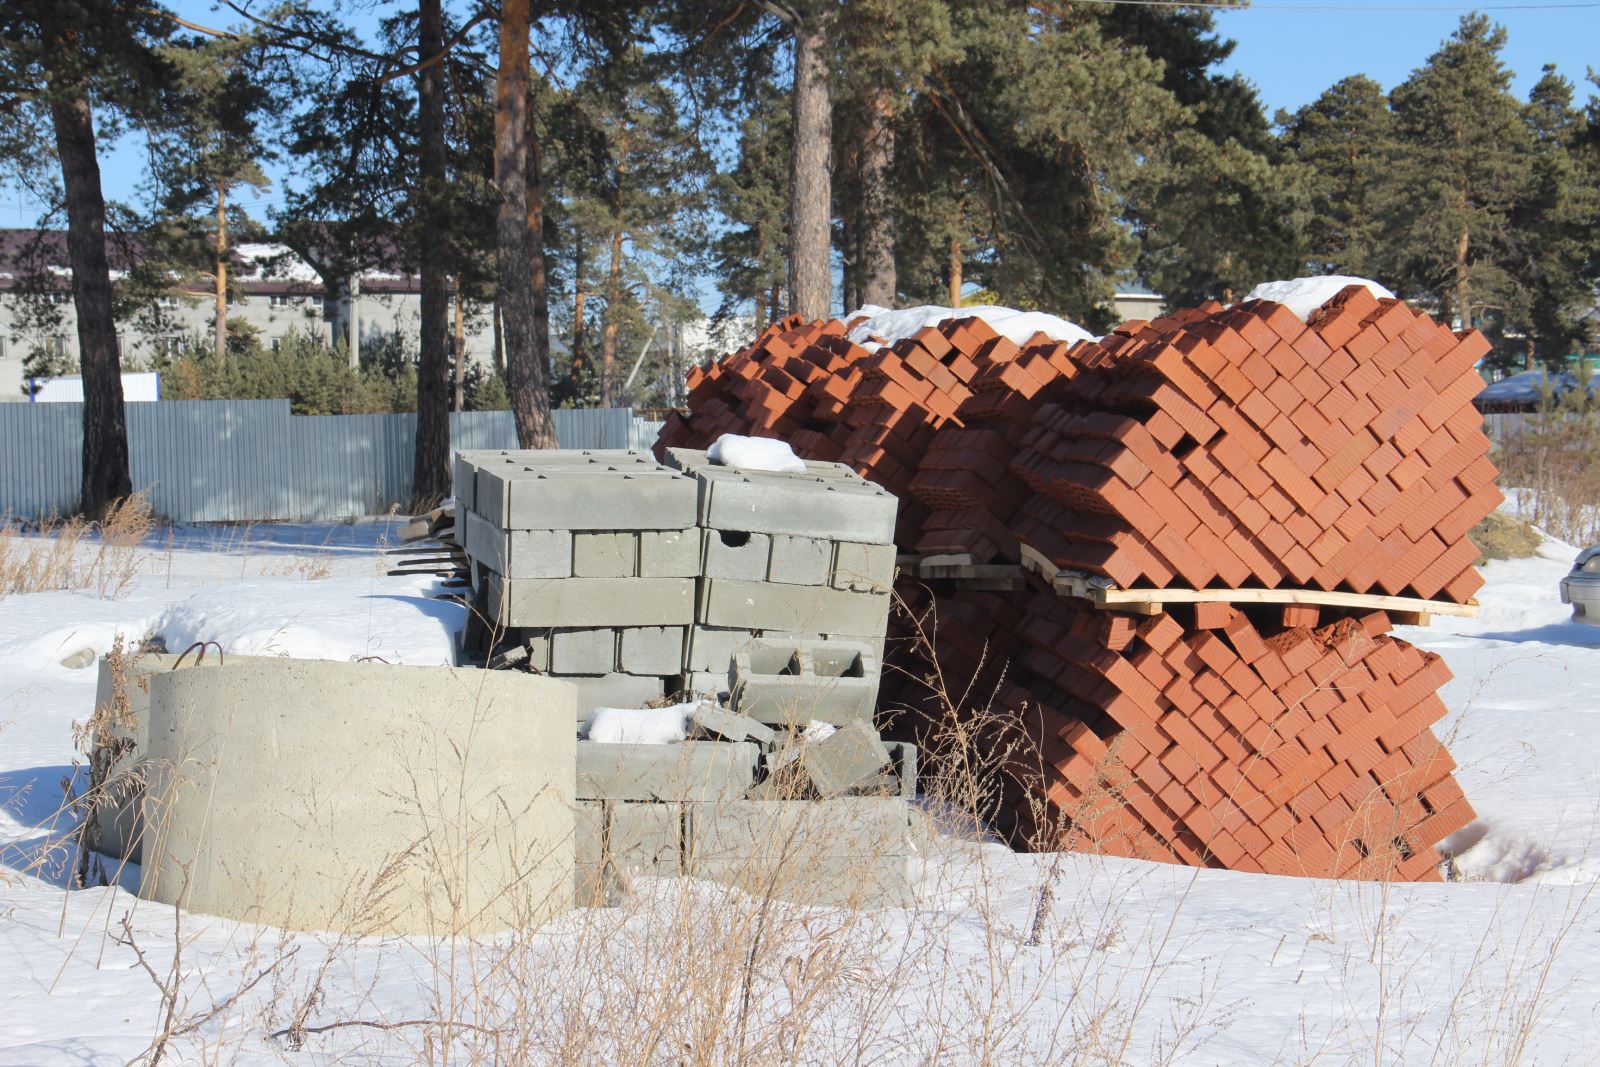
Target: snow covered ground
1131 962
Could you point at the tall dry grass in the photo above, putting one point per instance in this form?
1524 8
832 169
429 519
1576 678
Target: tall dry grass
1548 461
75 553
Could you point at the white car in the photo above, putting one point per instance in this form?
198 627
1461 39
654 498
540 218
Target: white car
1581 587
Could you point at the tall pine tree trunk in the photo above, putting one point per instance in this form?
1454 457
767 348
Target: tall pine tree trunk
430 480
219 338
608 337
539 283
954 274
810 177
458 349
105 432
1463 246
514 261
876 265
580 300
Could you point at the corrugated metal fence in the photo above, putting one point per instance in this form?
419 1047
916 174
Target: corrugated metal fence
250 460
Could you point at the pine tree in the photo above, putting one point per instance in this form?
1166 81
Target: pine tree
59 60
1551 263
750 256
1462 159
1342 142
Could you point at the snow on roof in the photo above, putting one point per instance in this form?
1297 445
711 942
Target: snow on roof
1305 295
875 326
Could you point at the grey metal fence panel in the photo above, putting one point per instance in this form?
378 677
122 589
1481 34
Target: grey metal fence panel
251 460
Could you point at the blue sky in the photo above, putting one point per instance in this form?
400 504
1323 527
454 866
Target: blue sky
1294 49
1290 49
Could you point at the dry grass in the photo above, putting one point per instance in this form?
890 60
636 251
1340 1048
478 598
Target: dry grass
75 553
999 960
1549 457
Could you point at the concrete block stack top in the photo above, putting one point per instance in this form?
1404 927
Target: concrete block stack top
563 539
803 556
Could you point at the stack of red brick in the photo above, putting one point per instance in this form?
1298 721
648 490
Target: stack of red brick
1283 744
1215 447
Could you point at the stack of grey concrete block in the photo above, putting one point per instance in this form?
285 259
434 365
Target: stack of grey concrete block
635 579
816 818
766 593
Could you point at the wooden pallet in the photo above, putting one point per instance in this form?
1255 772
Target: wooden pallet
1104 594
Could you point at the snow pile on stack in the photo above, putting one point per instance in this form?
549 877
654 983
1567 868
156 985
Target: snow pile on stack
1260 446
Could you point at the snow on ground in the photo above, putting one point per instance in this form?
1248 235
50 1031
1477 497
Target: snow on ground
875 326
1136 963
1305 295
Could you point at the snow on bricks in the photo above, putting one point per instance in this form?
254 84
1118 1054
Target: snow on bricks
1214 448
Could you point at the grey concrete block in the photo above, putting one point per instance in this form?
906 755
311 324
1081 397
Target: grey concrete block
464 475
691 460
711 648
588 881
899 780
851 755
594 498
800 560
795 681
646 839
613 691
792 608
722 725
655 650
591 651
669 553
850 852
704 683
795 504
736 554
864 568
688 770
518 553
591 601
605 555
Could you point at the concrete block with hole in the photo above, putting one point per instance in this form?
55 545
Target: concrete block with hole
736 554
591 651
849 852
795 681
688 770
656 650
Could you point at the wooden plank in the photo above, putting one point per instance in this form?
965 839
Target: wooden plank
1408 611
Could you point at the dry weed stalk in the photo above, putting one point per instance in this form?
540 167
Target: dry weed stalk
74 553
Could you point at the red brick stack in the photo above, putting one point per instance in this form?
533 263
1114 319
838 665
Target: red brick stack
1250 449
1221 448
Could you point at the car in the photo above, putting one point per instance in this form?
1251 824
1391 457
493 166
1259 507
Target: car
1581 587
1525 391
